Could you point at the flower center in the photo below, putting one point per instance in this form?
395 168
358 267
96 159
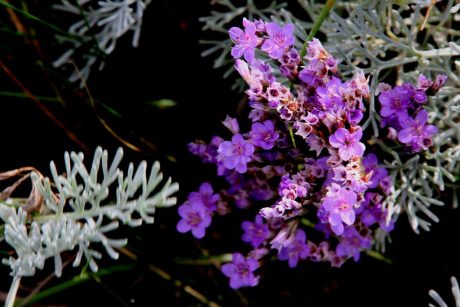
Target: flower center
194 218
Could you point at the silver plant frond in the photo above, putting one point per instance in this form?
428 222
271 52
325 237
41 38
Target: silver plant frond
438 299
77 212
98 26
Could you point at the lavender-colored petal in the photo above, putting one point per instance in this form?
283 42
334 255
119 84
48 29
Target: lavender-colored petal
357 149
337 229
235 34
228 269
429 130
183 210
198 232
357 135
183 226
348 217
346 153
252 264
406 135
272 28
249 55
335 219
293 262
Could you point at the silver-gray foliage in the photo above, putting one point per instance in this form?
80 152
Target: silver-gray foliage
77 211
438 299
98 26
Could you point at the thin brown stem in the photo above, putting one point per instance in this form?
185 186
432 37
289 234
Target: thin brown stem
48 113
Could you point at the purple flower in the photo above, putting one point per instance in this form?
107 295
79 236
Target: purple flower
354 117
236 154
195 217
297 249
264 134
241 271
231 124
420 96
329 95
395 101
370 163
347 143
205 196
438 82
339 208
352 243
245 41
316 51
279 39
424 83
255 233
417 134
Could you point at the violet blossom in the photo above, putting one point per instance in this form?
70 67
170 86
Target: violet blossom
279 39
241 271
236 154
255 233
295 250
246 41
417 134
339 209
263 134
195 218
347 143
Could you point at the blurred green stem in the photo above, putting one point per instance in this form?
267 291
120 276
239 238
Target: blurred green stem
35 18
23 95
322 16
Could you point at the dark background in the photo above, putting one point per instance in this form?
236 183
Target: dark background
167 64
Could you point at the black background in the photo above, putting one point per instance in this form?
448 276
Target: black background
167 64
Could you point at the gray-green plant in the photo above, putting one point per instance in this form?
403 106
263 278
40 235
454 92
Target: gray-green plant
78 210
438 299
98 26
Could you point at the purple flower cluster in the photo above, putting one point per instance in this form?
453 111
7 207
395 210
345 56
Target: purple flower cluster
403 112
304 160
196 212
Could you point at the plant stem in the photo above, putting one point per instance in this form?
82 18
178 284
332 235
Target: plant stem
378 256
48 113
37 19
322 16
13 291
23 95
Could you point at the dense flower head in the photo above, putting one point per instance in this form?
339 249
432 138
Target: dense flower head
305 159
404 113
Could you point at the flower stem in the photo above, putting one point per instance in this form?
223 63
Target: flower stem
322 16
10 299
291 133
